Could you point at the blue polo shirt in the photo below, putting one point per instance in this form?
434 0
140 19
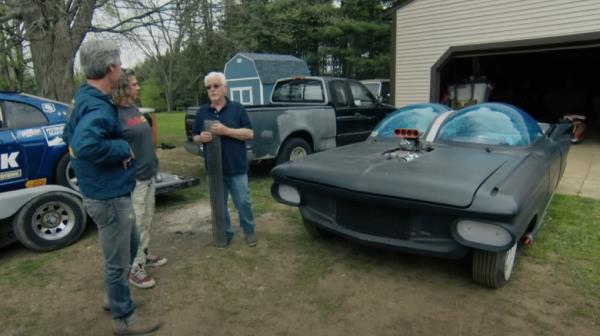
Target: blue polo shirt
233 151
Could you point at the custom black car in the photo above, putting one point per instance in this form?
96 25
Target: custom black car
478 179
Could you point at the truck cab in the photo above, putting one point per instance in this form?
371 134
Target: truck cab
307 114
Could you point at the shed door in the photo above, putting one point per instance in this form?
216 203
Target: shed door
242 95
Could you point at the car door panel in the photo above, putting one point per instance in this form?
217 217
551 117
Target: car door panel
24 147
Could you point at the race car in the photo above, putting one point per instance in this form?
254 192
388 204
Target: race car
476 180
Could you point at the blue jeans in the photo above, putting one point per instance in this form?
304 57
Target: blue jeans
237 186
119 240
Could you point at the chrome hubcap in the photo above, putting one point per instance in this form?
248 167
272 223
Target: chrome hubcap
297 153
53 221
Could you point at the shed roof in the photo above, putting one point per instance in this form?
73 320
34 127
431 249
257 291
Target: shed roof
271 67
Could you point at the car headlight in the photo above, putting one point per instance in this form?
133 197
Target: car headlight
289 194
483 233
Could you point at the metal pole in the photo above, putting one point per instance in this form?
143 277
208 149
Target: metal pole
214 172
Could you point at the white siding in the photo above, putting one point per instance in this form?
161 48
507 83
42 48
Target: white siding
425 29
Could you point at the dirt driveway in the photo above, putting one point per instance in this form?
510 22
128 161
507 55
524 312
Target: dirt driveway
290 284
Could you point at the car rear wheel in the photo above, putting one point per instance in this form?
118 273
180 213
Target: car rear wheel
64 174
315 231
292 149
494 269
50 221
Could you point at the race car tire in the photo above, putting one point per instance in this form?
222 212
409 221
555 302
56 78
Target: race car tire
292 149
494 269
50 221
314 231
64 175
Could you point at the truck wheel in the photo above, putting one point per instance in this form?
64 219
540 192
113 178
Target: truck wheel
50 221
292 149
315 231
64 174
494 269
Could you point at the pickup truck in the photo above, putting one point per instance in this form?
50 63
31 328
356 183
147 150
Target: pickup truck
305 115
40 203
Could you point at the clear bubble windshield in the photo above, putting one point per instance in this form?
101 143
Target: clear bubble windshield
490 124
418 116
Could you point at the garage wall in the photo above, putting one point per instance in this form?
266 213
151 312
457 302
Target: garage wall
427 28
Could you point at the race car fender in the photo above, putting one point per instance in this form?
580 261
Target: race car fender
12 201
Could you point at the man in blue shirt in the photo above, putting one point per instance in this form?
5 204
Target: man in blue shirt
102 161
235 129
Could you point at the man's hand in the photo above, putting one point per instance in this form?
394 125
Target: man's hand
203 137
219 129
129 161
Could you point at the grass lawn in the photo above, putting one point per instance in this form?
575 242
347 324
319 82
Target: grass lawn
171 128
570 238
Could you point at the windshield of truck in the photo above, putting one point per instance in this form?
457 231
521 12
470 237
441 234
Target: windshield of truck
490 124
299 90
418 116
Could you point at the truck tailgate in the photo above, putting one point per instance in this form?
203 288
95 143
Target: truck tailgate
167 182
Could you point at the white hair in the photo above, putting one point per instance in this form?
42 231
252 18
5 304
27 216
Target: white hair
215 74
96 55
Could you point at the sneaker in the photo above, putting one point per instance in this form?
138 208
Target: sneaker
153 261
227 244
133 325
105 304
139 278
250 239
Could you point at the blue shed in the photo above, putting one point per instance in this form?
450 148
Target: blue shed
251 76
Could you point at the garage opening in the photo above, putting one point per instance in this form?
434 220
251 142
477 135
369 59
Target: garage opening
546 83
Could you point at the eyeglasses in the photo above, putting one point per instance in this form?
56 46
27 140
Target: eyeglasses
213 86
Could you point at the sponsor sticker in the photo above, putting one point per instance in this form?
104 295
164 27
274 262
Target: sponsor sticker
12 174
48 107
54 135
29 133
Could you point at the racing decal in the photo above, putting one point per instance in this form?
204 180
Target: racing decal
29 133
9 160
48 107
54 135
11 174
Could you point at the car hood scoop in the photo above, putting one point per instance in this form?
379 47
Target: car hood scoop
443 174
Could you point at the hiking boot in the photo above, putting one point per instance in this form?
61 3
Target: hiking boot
133 325
250 239
139 278
153 261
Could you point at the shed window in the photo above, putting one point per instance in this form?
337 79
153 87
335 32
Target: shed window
242 95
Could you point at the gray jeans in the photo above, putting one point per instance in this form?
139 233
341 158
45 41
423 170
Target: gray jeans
119 240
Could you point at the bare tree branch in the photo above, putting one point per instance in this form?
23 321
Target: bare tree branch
116 27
